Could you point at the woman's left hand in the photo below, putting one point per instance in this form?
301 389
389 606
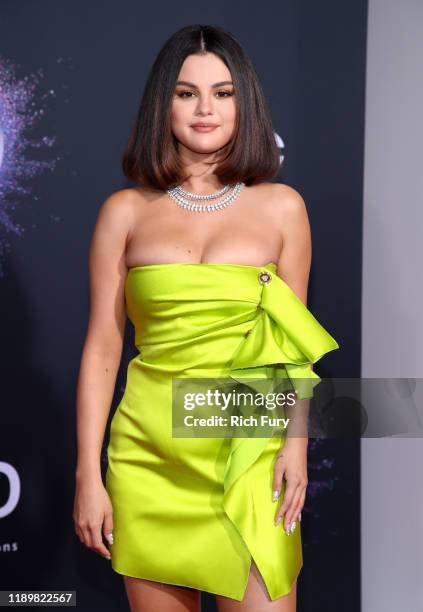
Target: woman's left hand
291 463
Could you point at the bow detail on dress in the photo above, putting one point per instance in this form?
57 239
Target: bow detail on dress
285 339
283 342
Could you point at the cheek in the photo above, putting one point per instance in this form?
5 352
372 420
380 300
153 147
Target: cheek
174 115
229 113
180 113
177 121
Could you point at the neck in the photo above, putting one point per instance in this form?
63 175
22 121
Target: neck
202 185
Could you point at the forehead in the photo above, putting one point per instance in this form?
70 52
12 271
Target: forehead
205 69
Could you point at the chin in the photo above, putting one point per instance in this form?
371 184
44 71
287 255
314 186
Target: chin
207 148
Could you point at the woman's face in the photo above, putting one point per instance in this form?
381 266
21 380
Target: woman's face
203 94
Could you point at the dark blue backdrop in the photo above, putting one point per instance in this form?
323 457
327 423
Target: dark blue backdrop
94 58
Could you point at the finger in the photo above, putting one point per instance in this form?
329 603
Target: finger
277 479
97 544
79 534
284 507
108 528
86 536
293 511
300 506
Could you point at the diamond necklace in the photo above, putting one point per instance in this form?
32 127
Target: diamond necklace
180 196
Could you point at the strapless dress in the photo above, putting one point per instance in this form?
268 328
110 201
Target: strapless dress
194 512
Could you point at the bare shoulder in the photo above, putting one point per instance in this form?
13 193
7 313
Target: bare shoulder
288 213
113 227
119 211
291 218
287 208
120 204
286 199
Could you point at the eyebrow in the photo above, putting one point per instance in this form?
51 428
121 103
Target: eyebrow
188 84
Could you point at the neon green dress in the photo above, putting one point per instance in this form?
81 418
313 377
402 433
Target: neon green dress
195 511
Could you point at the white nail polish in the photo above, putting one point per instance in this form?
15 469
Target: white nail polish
275 495
288 530
293 527
109 538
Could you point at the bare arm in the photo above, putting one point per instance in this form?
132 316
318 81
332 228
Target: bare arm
294 268
295 261
101 354
102 349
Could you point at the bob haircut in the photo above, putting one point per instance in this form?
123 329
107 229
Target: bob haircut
151 155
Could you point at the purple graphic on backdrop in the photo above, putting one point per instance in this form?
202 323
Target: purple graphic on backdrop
20 110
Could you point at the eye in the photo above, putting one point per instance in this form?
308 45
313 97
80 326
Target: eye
182 94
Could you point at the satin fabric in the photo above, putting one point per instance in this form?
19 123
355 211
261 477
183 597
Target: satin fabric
195 511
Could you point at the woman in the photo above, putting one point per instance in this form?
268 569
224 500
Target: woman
216 291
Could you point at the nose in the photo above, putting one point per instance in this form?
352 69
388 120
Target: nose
204 104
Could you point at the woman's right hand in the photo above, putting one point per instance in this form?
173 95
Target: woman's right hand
93 515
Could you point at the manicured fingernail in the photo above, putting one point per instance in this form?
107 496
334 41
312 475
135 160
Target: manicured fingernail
287 531
109 538
275 495
293 527
278 520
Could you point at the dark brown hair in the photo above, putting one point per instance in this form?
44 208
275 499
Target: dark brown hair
151 156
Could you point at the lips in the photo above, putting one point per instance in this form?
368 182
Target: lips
204 127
